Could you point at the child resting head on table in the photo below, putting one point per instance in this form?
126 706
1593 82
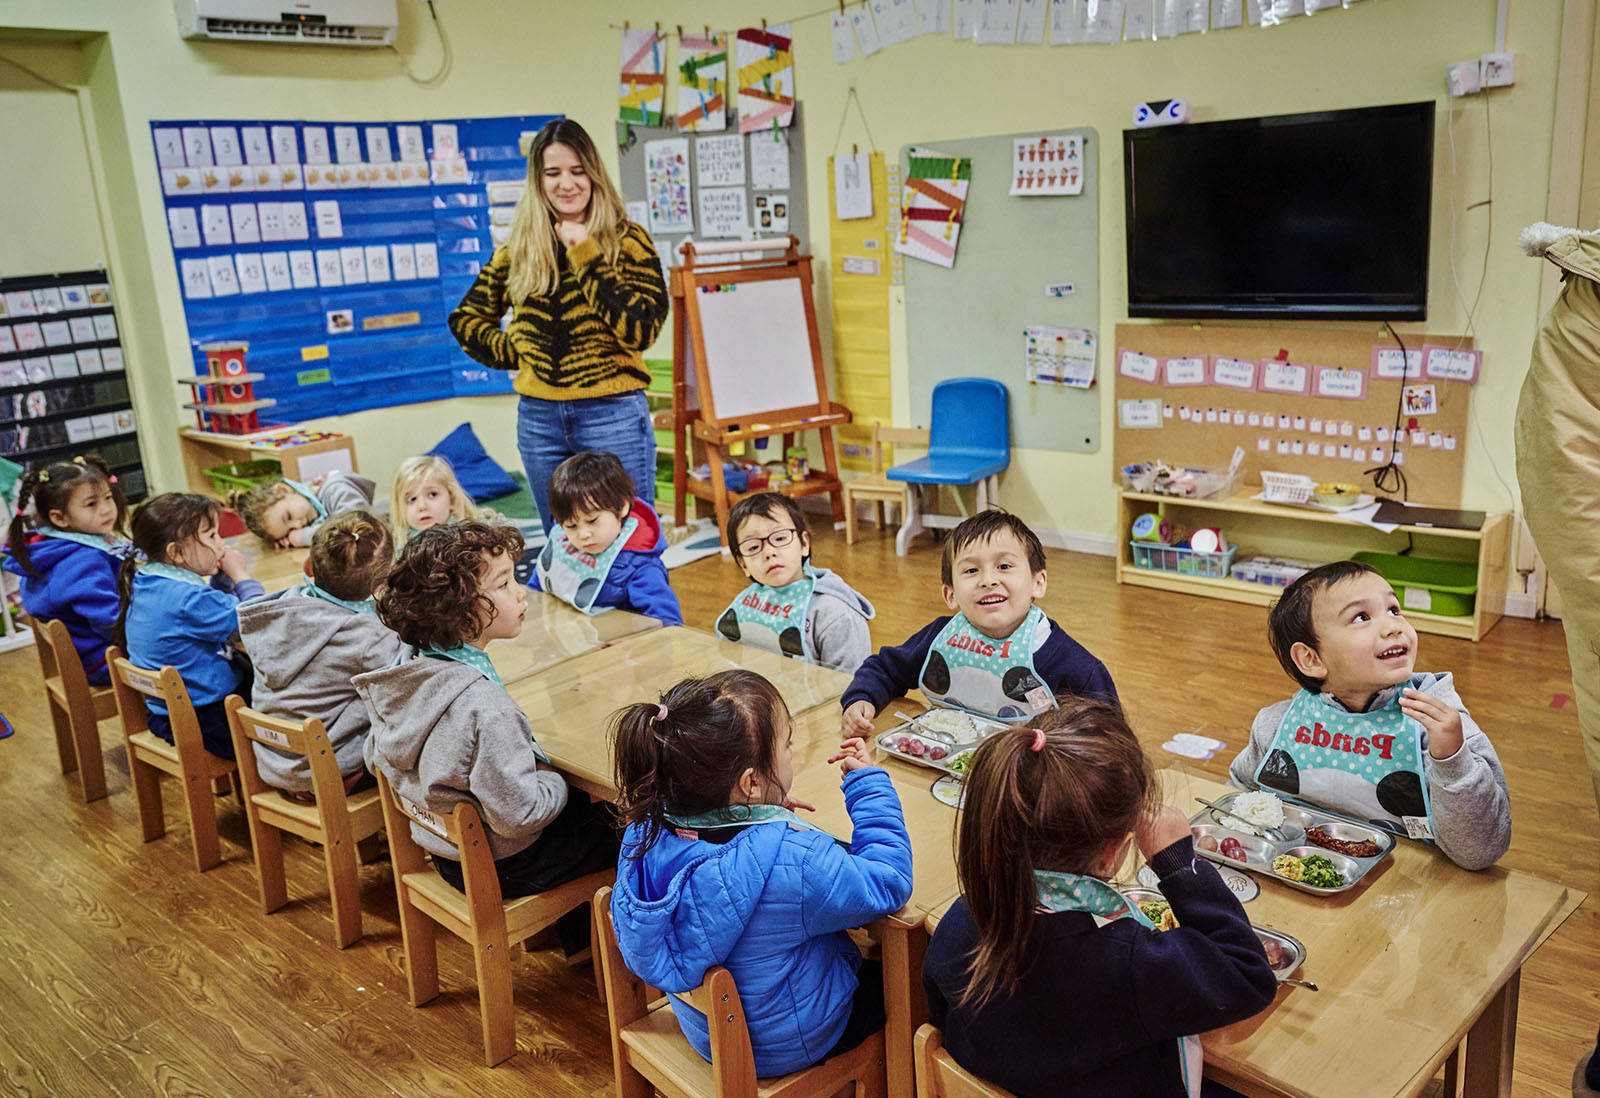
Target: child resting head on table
285 513
1367 735
1044 977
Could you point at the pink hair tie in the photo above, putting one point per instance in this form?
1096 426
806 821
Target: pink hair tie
661 714
1038 738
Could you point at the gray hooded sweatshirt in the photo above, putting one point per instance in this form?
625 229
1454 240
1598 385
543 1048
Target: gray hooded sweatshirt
836 633
442 734
305 651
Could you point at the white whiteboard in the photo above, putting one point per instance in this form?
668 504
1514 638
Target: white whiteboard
758 347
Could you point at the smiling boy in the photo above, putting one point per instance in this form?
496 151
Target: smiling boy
1366 735
998 655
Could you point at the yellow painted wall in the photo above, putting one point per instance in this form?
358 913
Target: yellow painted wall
526 56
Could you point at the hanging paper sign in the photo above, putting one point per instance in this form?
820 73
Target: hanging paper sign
1389 363
1233 373
1331 381
1285 377
1189 370
642 92
1451 364
1138 414
766 77
703 82
934 200
1140 367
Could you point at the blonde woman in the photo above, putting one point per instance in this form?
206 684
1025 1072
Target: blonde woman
587 297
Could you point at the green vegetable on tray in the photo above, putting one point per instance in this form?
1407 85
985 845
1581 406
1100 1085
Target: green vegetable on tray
1320 872
960 763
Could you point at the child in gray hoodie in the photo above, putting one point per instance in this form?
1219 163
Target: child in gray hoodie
791 607
308 642
445 730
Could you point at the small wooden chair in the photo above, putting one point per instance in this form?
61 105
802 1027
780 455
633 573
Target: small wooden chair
877 487
185 758
648 1050
336 822
76 708
480 916
939 1076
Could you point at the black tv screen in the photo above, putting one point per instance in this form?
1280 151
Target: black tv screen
1313 215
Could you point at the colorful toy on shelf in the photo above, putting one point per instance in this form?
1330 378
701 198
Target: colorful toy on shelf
225 397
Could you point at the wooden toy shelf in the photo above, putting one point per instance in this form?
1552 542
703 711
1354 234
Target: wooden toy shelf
1490 546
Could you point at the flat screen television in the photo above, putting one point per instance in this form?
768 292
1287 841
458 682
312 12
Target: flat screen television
1320 216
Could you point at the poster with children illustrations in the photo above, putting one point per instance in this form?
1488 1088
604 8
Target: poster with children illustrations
666 181
1047 165
642 93
766 77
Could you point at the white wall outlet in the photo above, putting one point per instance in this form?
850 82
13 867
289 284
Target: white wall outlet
1463 78
1499 69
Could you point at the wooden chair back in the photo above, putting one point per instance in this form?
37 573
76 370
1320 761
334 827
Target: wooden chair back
881 435
336 822
76 708
939 1076
186 758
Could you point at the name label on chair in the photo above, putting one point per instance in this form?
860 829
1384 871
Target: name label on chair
271 735
141 682
423 816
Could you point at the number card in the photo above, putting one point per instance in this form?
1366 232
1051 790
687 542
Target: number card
1285 377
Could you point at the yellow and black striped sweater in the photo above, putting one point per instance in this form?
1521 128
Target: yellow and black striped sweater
585 339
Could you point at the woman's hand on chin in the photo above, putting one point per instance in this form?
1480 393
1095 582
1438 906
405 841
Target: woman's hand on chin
572 233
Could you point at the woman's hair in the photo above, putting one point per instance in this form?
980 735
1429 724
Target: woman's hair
687 760
531 245
171 518
431 597
350 555
49 488
591 481
769 505
252 503
1057 808
412 472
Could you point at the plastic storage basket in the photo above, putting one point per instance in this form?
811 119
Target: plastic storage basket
1270 571
1172 558
242 475
1286 487
1445 587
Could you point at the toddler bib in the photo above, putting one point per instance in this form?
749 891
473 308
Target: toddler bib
993 678
773 618
574 576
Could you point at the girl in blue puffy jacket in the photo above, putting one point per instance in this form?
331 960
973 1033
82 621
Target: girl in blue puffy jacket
716 869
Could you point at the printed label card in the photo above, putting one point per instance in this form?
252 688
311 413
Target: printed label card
427 260
285 145
20 303
197 147
276 266
1449 442
1347 429
1419 400
378 150
1285 377
1419 437
1167 411
74 297
185 227
246 229
1184 413
1335 381
1399 457
1331 428
89 361
1388 363
1380 455
57 333
1233 373
377 263
403 262
82 328
169 147
1299 423
252 273
1283 447
1313 449
1238 418
63 365
1435 439
1211 415
1253 419
1359 455
330 267
105 326
346 144
225 146
1451 364
28 335
48 299
1297 448
1264 444
1139 367
1188 370
326 212
303 269
8 343
353 264
224 279
1381 433
217 226
410 141
257 145
318 151
1284 422
852 186
1138 414
269 215
196 282
295 226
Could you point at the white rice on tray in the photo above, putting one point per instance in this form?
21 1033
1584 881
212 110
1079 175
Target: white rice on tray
951 722
1259 807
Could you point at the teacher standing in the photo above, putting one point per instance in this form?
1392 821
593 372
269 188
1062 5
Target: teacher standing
586 294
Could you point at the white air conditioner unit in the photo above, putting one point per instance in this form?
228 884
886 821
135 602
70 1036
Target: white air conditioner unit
320 22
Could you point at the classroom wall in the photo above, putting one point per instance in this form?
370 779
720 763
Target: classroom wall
529 56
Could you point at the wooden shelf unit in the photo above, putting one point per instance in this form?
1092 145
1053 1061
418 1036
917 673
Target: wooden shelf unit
1492 551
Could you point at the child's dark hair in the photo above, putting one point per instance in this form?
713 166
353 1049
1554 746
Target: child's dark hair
769 505
50 488
1289 622
252 503
171 518
979 529
1057 808
684 754
591 481
351 553
431 596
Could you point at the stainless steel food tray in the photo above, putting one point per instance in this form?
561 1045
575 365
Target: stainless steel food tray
1260 851
888 742
1294 950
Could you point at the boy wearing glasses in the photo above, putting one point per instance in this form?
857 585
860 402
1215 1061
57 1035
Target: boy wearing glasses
605 547
791 607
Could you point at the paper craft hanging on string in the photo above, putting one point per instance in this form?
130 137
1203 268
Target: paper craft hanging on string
997 22
1065 355
1047 165
934 197
703 82
766 77
666 184
896 20
1031 17
642 93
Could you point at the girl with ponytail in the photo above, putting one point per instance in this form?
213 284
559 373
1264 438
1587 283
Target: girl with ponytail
716 869
1045 979
64 542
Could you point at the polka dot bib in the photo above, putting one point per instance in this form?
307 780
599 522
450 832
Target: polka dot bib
574 576
773 618
967 670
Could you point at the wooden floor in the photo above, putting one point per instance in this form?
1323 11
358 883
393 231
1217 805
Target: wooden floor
124 972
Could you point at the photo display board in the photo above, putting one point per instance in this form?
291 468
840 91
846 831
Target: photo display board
338 249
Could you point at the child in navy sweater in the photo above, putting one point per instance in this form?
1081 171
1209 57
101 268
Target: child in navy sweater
999 656
63 543
181 608
605 549
1045 979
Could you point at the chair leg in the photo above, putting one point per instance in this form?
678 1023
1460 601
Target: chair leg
849 519
202 821
65 743
90 762
883 518
267 841
344 890
147 794
912 525
422 957
994 489
493 960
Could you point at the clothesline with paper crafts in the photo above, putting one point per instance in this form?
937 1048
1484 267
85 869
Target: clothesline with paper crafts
934 197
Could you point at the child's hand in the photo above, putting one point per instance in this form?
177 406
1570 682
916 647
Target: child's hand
283 542
1161 830
233 565
852 755
858 719
795 806
317 481
1442 721
299 537
572 233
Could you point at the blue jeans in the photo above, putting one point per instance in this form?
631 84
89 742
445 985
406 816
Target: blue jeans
550 431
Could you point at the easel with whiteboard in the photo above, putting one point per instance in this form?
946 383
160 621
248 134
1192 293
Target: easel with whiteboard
747 364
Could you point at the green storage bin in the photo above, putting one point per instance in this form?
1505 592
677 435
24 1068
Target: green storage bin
243 475
1448 588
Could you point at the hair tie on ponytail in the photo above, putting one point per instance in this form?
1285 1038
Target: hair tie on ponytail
1038 739
661 714
44 476
112 478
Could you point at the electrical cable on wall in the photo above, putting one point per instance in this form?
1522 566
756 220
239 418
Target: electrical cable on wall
446 61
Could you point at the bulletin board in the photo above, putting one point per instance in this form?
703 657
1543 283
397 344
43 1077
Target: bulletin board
968 320
337 250
1433 455
791 194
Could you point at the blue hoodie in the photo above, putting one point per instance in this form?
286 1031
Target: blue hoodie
638 580
78 586
772 906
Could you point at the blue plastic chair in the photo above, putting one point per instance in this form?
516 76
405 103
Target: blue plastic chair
969 443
